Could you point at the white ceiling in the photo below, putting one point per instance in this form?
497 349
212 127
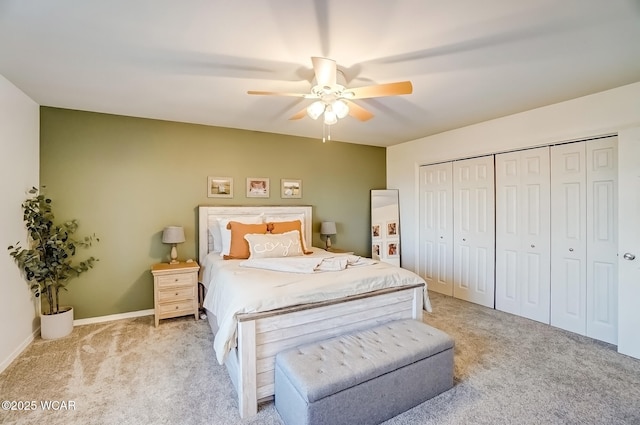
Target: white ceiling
194 60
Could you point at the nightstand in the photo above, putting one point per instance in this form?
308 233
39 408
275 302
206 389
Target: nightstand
175 290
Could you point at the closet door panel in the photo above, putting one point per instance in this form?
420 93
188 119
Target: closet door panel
508 233
523 233
436 229
474 230
568 237
602 243
535 183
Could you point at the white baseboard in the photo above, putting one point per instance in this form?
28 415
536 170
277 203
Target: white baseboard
6 362
112 317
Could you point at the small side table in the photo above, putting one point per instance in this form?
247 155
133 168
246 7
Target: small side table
175 290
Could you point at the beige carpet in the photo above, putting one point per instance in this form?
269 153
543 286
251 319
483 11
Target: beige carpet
508 370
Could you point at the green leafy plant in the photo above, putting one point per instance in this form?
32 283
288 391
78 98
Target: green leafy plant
48 262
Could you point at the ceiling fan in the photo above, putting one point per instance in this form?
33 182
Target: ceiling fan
334 100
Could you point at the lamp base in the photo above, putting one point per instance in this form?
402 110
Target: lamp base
174 255
328 243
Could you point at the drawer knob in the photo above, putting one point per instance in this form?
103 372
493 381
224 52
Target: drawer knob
176 307
175 280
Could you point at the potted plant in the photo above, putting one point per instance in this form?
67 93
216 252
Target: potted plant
48 261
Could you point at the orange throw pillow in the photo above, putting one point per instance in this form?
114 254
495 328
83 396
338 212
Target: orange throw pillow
239 248
277 227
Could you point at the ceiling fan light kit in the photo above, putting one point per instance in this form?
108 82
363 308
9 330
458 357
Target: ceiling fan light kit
334 100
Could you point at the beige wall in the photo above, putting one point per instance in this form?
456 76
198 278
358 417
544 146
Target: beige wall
126 178
19 116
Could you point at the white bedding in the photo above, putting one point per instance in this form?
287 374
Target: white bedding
233 289
308 264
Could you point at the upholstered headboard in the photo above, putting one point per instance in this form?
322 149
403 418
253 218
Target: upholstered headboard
208 216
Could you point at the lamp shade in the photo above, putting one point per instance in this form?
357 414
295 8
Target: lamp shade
315 109
173 234
330 116
328 228
340 108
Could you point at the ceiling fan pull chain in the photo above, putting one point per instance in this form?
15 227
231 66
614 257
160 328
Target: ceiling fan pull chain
324 129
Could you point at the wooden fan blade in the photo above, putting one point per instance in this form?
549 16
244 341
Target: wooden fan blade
325 70
276 93
380 90
300 114
358 111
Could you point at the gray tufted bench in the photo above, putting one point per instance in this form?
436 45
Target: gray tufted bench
364 377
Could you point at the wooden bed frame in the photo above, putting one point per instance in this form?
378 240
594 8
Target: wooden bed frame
262 335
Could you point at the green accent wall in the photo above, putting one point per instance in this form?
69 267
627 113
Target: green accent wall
126 178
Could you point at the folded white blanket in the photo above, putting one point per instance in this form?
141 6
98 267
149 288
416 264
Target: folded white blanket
308 264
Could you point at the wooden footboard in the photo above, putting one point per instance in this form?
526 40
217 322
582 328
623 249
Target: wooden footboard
262 335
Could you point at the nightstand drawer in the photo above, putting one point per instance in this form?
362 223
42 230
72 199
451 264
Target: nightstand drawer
184 279
176 307
177 293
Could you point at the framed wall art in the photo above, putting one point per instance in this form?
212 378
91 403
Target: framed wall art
393 249
375 231
220 187
257 187
290 188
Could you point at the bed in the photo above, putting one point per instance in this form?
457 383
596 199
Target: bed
267 311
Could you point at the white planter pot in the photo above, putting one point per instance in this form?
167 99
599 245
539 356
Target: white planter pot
54 326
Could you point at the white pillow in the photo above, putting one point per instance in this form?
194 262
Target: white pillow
274 246
289 217
225 234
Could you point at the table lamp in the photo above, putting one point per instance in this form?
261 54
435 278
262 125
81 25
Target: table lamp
328 228
173 235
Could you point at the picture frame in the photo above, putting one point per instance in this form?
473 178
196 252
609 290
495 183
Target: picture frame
290 188
258 187
392 228
375 231
219 187
375 251
392 249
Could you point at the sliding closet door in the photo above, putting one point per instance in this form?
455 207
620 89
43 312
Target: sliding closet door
602 240
568 237
435 263
523 270
474 230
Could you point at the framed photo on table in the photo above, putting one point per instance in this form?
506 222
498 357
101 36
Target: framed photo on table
220 187
257 187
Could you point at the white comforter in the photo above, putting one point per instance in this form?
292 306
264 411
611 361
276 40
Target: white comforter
233 287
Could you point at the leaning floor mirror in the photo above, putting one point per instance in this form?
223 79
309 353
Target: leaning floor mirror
385 226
